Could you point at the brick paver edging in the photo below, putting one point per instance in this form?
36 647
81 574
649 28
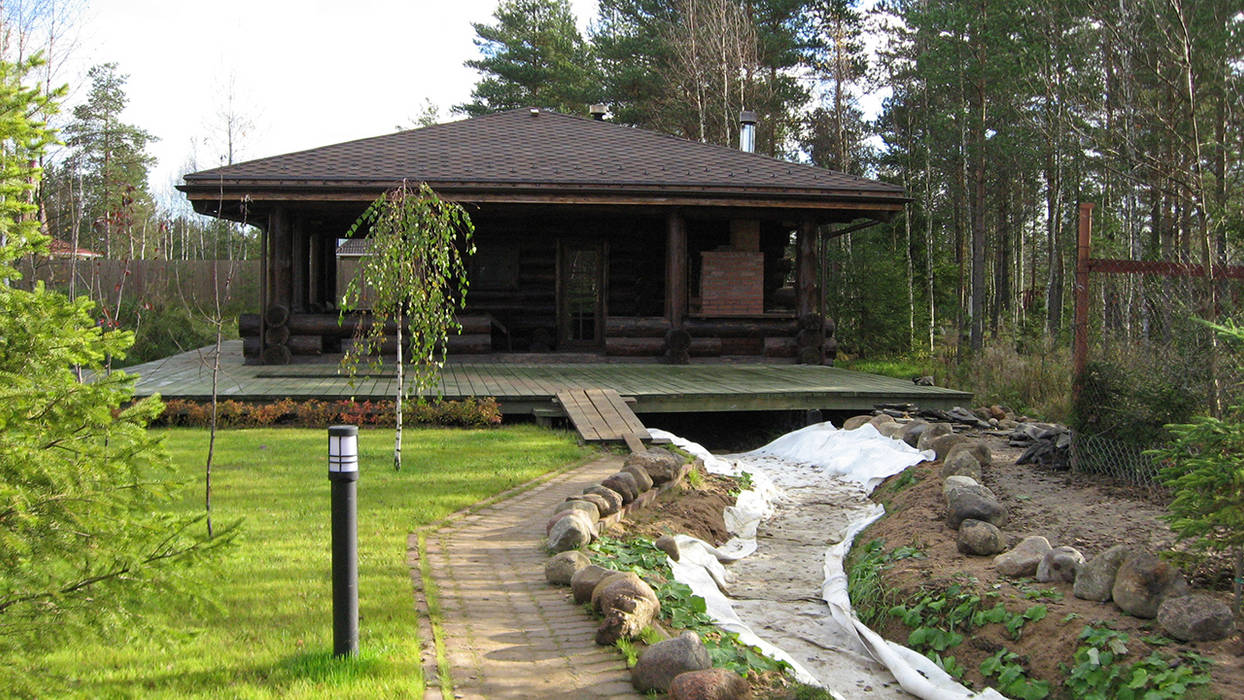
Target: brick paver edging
506 633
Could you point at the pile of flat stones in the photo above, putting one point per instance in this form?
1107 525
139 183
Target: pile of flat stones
1138 582
679 666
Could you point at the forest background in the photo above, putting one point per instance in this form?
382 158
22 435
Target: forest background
999 118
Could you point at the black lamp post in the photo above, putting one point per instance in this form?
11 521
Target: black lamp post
343 472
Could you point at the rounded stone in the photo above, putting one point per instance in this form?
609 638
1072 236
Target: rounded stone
642 480
624 484
931 433
1059 565
977 448
587 507
1142 582
669 545
961 463
709 684
1095 579
584 581
1024 558
662 662
980 539
571 531
661 464
912 432
942 445
1196 618
561 568
855 421
613 499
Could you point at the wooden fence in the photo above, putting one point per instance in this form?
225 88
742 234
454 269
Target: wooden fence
149 281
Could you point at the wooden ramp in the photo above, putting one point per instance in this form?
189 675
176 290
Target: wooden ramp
601 415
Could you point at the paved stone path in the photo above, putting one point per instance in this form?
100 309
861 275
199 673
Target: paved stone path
508 633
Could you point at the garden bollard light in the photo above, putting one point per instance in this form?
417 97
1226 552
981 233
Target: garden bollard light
343 472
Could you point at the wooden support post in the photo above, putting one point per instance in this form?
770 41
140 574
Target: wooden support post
1080 350
279 263
807 291
675 269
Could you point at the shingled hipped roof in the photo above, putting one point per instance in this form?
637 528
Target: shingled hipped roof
530 149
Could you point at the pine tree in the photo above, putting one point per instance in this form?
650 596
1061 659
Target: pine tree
533 56
110 161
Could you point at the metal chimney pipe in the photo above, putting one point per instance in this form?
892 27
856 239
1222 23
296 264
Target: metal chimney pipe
747 131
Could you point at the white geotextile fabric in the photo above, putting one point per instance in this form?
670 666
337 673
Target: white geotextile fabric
818 451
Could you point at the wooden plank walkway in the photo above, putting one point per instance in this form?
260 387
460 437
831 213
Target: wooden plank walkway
600 415
529 388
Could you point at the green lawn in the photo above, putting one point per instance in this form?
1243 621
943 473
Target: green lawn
271 634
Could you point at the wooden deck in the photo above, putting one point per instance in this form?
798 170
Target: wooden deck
600 415
531 388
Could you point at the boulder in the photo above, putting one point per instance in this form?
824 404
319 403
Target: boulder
942 445
977 448
624 484
912 432
855 421
879 420
601 504
627 604
975 502
662 662
1059 565
892 430
613 499
661 464
709 684
1196 618
931 433
562 568
587 507
642 480
584 581
1142 582
980 539
997 412
961 463
956 481
669 545
571 531
1024 558
1096 577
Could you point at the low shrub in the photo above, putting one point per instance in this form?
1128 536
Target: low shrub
472 413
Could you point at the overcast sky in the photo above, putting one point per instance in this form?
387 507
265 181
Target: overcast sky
306 73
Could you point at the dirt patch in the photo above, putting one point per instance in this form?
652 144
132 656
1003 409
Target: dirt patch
1090 517
687 510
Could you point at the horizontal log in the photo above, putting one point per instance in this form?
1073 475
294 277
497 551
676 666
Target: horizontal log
305 344
458 345
248 324
742 346
634 347
327 324
780 347
636 326
741 328
474 343
705 347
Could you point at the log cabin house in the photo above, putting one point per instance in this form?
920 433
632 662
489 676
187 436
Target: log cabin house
592 237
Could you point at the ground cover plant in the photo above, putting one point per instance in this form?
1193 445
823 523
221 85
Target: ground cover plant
269 634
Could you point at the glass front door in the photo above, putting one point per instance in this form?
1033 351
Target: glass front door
581 294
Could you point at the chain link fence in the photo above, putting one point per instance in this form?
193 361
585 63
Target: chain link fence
1151 361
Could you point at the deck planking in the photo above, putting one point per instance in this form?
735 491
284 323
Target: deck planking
524 388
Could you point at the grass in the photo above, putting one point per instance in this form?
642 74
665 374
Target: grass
270 634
